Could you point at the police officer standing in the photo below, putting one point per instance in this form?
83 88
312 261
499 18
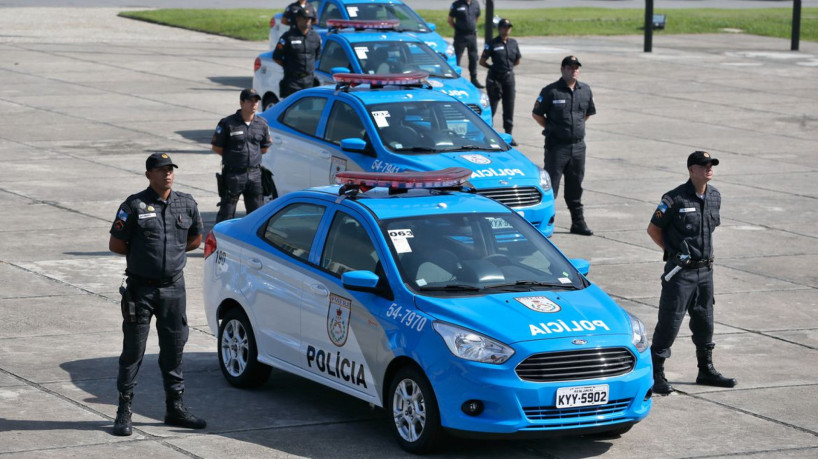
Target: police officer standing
297 51
505 55
683 226
288 18
241 139
463 16
153 229
562 109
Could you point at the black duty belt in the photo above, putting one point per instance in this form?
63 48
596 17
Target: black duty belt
703 263
147 282
240 170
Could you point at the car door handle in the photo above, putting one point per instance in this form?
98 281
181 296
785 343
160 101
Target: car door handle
319 289
254 263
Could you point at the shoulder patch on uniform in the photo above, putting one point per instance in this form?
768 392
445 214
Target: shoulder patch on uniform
122 215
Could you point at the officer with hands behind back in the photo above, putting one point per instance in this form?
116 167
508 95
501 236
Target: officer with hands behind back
463 15
240 139
153 229
683 226
296 51
505 55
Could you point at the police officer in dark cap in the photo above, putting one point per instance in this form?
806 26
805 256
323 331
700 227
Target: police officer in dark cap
297 51
240 139
505 55
562 109
683 226
153 229
288 18
463 15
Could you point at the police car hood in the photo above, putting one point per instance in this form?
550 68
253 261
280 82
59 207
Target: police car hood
527 316
490 167
459 88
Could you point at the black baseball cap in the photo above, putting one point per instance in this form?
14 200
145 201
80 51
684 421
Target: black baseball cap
570 60
305 13
158 160
701 158
249 93
504 23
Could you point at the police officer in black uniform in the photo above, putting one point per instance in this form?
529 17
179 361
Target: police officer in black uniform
288 18
463 16
505 55
562 109
153 229
241 139
683 226
297 51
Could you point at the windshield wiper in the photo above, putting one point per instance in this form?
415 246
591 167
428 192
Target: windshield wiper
532 283
469 147
417 150
450 288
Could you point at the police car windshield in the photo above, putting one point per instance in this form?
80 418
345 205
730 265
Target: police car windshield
433 127
476 254
409 20
382 57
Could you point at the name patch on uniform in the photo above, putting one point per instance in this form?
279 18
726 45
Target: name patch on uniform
687 209
462 8
236 133
296 42
499 48
147 215
559 101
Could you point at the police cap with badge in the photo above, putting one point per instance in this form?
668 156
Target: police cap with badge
158 160
701 158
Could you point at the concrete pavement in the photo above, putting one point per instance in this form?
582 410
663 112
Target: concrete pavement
86 96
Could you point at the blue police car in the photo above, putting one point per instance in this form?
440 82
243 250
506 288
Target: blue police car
396 123
443 307
410 21
372 47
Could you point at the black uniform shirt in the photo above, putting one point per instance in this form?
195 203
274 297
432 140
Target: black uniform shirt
242 144
293 8
503 55
683 216
156 232
565 110
297 53
465 16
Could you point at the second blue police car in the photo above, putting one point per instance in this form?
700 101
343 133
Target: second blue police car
445 308
396 123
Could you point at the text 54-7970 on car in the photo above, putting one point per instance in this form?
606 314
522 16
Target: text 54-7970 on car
445 308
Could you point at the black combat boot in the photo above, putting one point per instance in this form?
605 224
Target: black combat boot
122 424
708 375
177 415
578 225
660 384
477 83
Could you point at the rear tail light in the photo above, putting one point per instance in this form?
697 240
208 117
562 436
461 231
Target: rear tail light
272 22
210 244
257 64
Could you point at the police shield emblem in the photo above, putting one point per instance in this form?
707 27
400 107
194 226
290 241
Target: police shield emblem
338 319
539 304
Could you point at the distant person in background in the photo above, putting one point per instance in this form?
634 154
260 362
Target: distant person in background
463 16
288 18
297 51
505 55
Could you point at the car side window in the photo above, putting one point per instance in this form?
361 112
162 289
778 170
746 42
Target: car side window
293 228
304 114
348 247
333 56
331 11
343 123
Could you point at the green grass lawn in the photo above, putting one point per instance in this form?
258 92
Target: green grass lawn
253 24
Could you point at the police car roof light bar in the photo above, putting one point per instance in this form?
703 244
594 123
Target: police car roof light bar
361 24
365 181
345 80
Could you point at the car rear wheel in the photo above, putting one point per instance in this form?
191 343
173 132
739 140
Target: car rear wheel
413 411
238 355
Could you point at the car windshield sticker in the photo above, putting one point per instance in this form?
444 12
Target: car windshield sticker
560 326
380 118
361 51
476 159
564 280
498 223
147 215
353 11
539 304
338 319
458 128
400 239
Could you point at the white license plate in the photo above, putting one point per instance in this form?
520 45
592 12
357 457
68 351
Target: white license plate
569 397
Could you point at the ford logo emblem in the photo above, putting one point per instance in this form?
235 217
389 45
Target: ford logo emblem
579 342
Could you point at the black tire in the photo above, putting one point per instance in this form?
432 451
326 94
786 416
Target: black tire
238 354
414 417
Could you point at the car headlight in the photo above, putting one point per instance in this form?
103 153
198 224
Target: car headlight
638 335
545 180
470 345
450 50
484 99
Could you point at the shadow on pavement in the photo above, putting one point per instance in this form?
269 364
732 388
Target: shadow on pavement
237 82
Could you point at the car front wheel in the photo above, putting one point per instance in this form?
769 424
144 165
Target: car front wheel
413 411
238 355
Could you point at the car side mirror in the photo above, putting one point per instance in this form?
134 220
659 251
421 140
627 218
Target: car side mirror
353 144
432 26
458 69
335 70
361 281
506 137
582 265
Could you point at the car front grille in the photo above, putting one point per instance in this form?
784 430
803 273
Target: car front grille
576 365
550 413
475 108
514 197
